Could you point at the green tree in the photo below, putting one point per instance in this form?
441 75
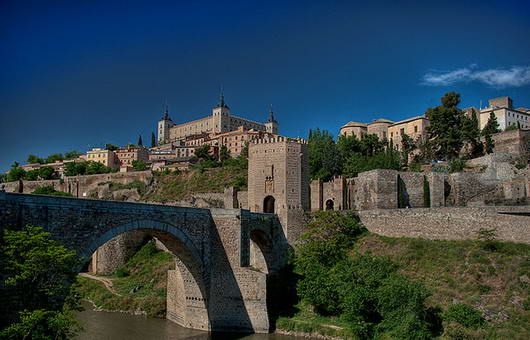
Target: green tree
153 140
347 146
75 168
38 272
356 163
366 291
32 159
139 165
111 147
140 143
491 127
371 145
445 129
32 175
407 146
224 153
471 136
203 152
16 173
324 157
94 168
54 158
72 154
46 172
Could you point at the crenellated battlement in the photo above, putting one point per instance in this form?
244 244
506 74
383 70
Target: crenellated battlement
278 139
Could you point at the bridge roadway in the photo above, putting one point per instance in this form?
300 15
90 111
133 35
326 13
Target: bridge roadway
222 256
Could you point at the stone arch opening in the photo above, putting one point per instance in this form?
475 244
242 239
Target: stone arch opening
268 205
260 251
329 204
187 299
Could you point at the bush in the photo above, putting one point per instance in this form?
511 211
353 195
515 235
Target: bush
49 190
122 272
489 238
457 165
364 290
465 315
415 167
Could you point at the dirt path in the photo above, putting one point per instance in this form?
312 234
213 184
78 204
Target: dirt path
106 281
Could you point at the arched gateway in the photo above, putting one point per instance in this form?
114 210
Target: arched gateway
212 286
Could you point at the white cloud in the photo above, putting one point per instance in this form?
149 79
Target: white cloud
515 76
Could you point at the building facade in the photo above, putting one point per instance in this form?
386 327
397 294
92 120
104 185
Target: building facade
103 156
126 156
220 121
415 127
506 114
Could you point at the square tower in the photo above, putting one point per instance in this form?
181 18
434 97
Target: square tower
278 175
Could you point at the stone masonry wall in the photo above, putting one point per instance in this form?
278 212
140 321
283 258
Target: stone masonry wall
81 186
515 141
113 254
452 223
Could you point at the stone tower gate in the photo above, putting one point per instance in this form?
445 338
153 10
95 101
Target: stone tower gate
278 181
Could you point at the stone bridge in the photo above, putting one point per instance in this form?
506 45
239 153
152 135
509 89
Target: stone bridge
222 255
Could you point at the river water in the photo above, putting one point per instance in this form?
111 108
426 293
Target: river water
122 326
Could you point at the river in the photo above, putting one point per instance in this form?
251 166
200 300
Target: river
122 326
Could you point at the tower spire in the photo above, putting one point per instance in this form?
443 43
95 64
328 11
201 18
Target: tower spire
271 115
222 99
165 110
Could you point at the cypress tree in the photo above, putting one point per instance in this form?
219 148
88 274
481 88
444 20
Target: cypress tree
140 141
153 139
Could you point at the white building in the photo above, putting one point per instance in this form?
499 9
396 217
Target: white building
505 113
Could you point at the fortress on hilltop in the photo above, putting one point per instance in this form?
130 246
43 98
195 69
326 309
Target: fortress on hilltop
219 122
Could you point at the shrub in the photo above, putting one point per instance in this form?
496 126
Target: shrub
456 165
122 272
465 315
49 190
489 238
415 167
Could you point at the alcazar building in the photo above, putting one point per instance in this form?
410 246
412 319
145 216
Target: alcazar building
219 122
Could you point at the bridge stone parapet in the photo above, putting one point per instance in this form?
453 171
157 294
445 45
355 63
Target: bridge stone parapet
222 255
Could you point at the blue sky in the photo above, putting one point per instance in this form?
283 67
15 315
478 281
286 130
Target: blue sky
78 74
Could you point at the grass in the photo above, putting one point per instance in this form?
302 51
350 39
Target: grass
466 272
145 273
307 321
175 187
470 272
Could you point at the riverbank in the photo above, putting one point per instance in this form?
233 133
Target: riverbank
138 287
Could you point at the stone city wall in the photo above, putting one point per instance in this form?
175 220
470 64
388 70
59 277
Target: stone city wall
515 141
450 223
498 182
85 186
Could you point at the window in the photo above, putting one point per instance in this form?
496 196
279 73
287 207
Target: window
415 129
402 131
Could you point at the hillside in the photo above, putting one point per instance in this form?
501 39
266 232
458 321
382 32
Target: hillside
140 283
493 280
176 187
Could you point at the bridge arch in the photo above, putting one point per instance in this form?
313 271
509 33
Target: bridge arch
187 299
